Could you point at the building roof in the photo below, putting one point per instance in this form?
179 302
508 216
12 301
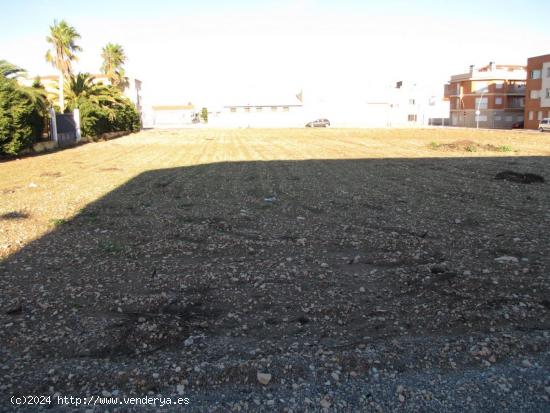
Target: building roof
256 97
189 106
493 71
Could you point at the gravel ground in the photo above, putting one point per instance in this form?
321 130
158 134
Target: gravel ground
270 270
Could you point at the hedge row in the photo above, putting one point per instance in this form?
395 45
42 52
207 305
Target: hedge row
21 123
97 120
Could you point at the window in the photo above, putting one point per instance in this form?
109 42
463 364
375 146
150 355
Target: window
258 109
535 74
274 108
411 118
499 84
247 109
481 103
232 110
498 117
539 115
498 101
534 94
531 117
480 86
516 102
548 72
547 95
519 118
411 102
509 118
286 108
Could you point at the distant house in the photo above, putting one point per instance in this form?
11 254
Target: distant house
263 111
173 116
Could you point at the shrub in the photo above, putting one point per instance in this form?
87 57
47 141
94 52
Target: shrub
96 120
127 117
21 121
204 115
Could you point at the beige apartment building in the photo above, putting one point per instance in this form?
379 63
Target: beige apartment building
491 96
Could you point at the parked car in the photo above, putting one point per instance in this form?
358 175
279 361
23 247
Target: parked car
319 123
544 124
518 125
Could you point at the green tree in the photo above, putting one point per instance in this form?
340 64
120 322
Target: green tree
21 120
81 87
204 115
103 108
8 69
114 59
62 52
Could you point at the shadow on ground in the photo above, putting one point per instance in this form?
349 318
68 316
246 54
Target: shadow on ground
245 261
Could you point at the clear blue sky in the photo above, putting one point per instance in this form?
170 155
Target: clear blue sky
29 15
212 44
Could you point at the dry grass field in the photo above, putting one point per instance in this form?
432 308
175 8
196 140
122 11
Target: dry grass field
362 270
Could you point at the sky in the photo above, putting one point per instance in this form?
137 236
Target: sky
216 52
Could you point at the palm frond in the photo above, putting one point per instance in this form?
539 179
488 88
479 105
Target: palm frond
8 69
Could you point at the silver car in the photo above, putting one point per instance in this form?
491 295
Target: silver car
544 124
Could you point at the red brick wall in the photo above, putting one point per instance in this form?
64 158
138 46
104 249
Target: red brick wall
534 84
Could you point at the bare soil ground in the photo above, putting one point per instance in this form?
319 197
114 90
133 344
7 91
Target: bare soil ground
360 270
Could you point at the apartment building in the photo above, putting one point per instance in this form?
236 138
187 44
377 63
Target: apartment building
537 105
491 96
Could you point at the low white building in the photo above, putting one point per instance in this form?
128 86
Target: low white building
170 116
261 111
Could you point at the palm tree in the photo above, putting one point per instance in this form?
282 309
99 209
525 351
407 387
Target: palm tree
8 69
81 87
113 59
62 53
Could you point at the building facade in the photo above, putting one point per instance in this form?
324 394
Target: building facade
171 116
491 96
537 105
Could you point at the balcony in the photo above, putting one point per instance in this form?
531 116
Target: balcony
516 90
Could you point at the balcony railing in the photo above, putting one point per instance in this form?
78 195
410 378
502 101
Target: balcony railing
516 90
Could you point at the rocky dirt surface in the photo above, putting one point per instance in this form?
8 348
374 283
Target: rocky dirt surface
279 270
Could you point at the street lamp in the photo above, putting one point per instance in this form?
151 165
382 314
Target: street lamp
478 112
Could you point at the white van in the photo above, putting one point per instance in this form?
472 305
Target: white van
544 125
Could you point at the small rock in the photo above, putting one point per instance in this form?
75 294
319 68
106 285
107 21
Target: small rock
188 342
180 389
361 289
264 378
506 258
33 185
325 402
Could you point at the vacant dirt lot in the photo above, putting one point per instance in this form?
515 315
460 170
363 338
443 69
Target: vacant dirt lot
359 270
